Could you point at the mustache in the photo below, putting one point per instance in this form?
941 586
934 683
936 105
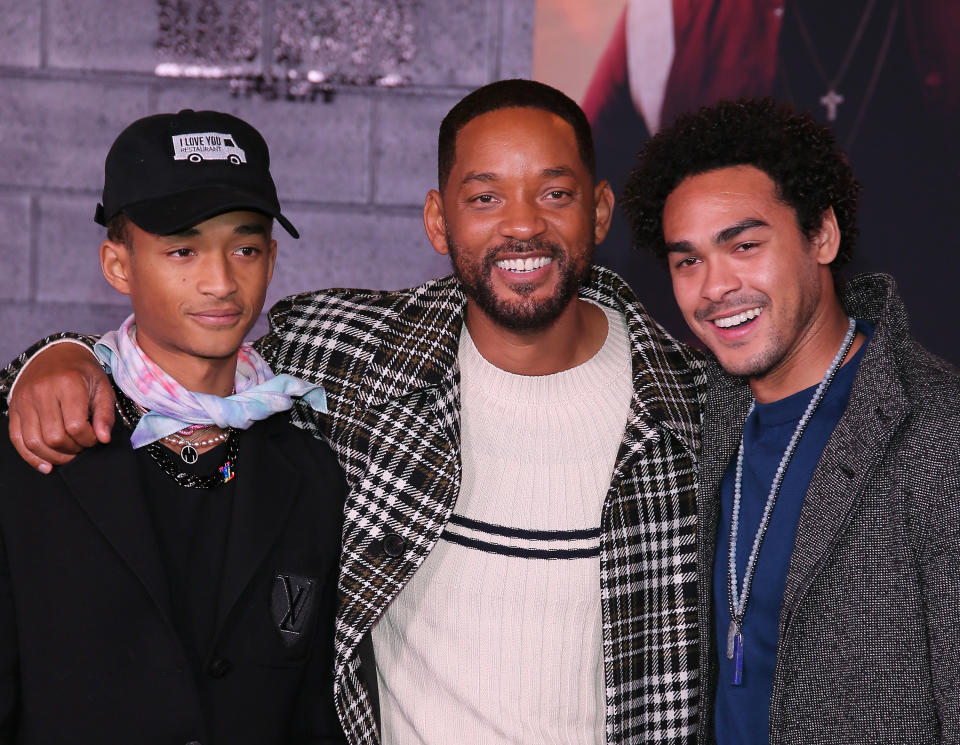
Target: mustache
513 246
728 304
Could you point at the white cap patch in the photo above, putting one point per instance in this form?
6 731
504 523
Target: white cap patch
202 146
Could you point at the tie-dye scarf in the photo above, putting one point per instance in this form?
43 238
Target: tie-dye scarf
171 407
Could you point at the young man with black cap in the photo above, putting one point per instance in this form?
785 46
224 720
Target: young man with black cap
178 584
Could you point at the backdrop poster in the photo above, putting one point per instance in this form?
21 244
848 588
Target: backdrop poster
883 74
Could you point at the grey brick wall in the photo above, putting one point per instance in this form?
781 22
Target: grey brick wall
351 173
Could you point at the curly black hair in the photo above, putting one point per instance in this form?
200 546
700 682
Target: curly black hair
797 153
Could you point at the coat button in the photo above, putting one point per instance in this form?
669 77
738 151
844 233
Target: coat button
219 667
393 545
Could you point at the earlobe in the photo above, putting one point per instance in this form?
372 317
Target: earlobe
114 262
603 200
828 238
434 222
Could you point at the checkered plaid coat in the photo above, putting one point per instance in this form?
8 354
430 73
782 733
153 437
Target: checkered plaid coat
388 361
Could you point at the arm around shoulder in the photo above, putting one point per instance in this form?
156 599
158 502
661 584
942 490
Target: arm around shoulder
62 402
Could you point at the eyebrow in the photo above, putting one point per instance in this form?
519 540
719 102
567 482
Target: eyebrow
486 177
252 228
680 247
737 228
557 171
721 237
478 176
187 233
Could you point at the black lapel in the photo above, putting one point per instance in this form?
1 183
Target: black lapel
267 484
106 483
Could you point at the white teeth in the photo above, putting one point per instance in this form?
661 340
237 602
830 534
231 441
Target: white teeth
731 321
524 265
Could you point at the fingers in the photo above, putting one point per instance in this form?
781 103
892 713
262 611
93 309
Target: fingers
54 397
103 412
27 436
53 429
16 439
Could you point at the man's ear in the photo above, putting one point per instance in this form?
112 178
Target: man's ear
435 223
603 200
827 240
115 264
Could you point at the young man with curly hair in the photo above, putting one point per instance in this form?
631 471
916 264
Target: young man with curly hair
829 517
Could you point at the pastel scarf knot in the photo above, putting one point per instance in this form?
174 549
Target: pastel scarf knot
171 407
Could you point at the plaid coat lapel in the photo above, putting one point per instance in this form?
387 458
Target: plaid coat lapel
648 548
389 364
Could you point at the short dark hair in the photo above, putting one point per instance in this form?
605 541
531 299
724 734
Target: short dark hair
507 94
799 155
118 230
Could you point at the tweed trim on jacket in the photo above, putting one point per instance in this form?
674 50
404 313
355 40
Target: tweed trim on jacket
388 362
869 632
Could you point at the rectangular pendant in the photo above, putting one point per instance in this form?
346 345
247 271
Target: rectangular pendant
731 632
738 659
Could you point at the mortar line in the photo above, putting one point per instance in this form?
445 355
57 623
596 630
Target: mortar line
374 159
268 20
33 266
44 32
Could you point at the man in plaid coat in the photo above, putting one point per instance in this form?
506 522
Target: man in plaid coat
407 378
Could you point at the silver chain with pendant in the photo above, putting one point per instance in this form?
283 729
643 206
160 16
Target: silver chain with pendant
832 99
738 601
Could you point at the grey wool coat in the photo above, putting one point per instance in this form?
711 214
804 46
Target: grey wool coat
869 632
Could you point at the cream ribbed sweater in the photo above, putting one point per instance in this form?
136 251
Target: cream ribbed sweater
497 637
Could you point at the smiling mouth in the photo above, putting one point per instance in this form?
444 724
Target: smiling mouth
739 319
523 266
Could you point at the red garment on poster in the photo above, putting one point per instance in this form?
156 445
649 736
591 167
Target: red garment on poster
728 49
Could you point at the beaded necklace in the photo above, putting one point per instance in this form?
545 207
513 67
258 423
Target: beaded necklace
160 454
738 602
188 448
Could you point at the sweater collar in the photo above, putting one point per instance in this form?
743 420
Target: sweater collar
667 376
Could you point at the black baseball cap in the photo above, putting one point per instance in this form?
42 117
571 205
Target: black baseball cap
168 172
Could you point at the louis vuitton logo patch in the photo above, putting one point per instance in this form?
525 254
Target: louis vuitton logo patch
291 603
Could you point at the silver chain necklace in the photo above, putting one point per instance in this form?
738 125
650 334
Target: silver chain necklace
188 450
738 602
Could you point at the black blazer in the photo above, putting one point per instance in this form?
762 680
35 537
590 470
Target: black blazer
88 653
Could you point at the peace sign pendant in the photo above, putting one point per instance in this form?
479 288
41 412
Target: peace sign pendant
188 453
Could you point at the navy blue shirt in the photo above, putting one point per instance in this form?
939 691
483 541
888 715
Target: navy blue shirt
742 713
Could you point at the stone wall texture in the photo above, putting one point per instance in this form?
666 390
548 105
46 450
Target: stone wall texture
351 172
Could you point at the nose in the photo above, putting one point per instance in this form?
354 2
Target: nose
216 276
522 220
719 279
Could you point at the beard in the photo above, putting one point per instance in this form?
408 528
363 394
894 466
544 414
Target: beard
782 336
520 312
